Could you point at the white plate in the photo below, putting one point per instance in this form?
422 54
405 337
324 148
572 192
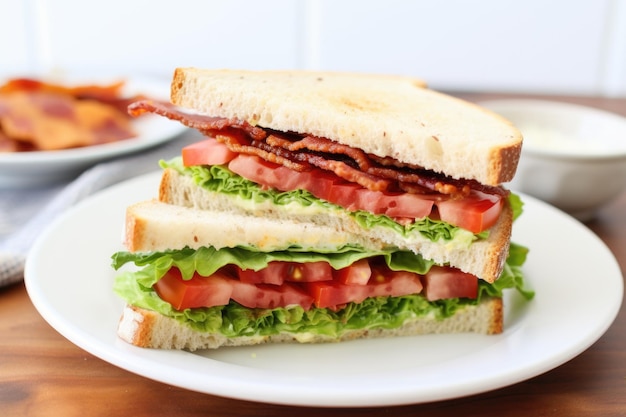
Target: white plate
69 279
25 169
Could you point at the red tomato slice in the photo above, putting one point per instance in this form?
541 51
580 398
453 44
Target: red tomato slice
309 272
365 278
329 187
477 212
317 182
321 184
333 295
284 179
292 294
278 272
270 296
372 201
274 274
398 283
197 292
358 273
345 195
386 282
207 152
413 206
255 169
443 283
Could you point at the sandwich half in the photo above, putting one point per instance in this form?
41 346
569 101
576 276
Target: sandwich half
321 207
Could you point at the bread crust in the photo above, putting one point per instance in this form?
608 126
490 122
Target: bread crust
148 329
383 115
484 258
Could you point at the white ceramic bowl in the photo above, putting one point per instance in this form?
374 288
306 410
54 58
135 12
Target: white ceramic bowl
573 157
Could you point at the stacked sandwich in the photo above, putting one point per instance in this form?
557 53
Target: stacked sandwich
321 207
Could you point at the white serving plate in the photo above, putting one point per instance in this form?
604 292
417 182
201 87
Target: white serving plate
69 279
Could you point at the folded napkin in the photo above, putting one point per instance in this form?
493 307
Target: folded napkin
35 209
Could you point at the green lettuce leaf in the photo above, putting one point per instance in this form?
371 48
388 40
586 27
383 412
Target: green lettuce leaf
512 275
207 260
234 320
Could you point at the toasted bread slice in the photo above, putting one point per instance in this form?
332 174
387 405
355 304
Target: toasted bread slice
383 115
156 226
146 328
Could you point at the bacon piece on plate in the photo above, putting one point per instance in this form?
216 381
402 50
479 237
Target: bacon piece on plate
49 121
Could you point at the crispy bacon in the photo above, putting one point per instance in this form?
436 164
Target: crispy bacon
193 120
109 94
306 160
303 152
45 121
235 141
322 145
42 116
347 172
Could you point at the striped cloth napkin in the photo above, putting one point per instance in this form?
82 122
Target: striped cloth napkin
24 214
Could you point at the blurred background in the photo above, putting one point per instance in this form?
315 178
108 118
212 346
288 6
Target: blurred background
575 47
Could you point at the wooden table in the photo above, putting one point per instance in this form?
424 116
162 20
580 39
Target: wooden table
43 374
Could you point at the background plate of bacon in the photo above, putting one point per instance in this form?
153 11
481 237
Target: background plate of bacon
51 130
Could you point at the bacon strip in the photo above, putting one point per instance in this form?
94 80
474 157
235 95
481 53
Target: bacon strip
195 121
323 145
345 171
303 152
235 141
381 168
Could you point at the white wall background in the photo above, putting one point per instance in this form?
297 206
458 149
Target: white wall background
547 46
